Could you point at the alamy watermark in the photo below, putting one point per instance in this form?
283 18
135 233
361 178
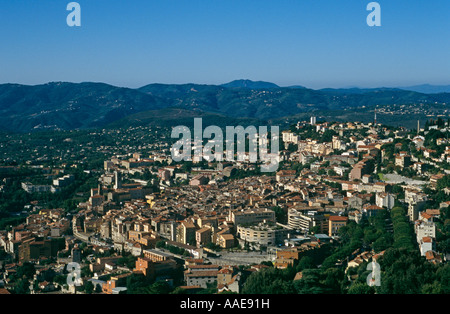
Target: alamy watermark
74 17
374 278
74 276
192 149
374 17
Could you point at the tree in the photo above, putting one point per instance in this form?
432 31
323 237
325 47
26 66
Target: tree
136 283
280 214
443 183
160 244
443 277
397 189
306 262
333 279
128 261
381 244
86 272
405 271
328 135
432 288
60 279
179 290
22 287
360 288
159 287
332 173
268 281
267 263
27 270
403 234
89 287
310 283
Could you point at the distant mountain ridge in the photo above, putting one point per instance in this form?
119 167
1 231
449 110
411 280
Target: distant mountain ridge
428 89
61 105
67 106
250 84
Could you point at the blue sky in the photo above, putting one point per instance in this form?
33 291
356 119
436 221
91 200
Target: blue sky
314 43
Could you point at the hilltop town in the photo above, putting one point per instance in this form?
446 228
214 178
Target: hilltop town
135 221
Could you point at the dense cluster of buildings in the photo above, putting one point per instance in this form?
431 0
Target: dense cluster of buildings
288 213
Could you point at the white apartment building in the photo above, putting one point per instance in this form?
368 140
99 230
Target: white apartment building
424 229
385 200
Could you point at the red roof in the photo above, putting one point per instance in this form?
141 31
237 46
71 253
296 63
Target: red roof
338 218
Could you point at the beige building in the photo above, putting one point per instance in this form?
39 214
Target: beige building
251 216
203 236
262 234
335 223
226 241
186 232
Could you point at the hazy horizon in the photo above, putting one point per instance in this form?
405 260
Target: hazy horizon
255 80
